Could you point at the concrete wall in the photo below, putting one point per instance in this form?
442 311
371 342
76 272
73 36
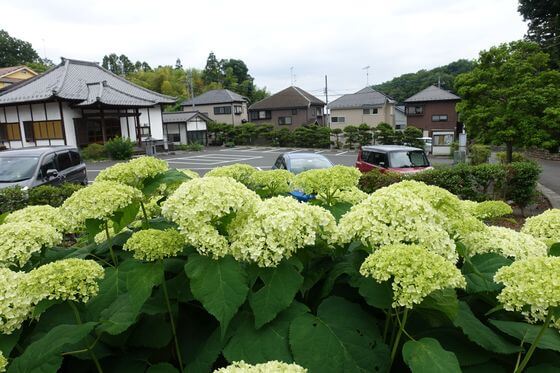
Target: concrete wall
235 119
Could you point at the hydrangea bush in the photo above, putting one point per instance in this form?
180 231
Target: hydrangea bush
162 270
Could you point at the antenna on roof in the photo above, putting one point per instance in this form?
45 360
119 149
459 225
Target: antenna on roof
367 75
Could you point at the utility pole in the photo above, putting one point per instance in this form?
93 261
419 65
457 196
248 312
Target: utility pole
191 84
367 75
327 116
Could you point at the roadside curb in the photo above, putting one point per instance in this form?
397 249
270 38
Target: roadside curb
551 196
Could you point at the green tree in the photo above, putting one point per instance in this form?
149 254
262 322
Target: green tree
352 136
384 134
544 25
336 132
213 70
15 52
364 134
411 137
509 95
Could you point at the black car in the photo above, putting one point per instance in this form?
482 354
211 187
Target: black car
31 167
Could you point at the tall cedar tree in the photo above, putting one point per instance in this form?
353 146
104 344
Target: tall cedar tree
544 25
511 97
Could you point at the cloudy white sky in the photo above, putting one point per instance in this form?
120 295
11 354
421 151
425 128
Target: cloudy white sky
337 38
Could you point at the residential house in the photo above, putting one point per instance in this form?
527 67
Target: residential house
289 108
433 111
220 105
14 75
186 127
365 106
400 117
78 103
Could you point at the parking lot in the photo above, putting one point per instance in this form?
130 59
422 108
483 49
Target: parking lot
257 156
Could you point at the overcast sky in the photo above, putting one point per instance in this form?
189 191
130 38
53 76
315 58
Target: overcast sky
337 38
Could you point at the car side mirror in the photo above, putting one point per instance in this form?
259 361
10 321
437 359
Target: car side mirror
382 164
51 173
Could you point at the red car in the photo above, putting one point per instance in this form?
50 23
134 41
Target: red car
394 158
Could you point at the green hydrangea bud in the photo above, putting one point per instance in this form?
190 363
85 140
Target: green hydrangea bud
153 244
133 172
238 171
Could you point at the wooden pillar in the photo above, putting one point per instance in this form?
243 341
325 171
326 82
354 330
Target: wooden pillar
127 125
137 127
21 129
103 130
33 125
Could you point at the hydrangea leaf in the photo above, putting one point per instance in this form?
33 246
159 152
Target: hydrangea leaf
479 272
9 341
338 209
281 284
267 343
168 178
376 294
340 338
427 356
162 368
543 368
125 216
151 331
550 340
202 351
554 249
220 285
480 334
444 300
44 355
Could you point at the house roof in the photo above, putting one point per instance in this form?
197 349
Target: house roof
432 93
215 96
364 98
76 81
12 69
182 116
291 97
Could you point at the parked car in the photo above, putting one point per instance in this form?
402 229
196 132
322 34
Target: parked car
395 158
427 141
299 162
31 167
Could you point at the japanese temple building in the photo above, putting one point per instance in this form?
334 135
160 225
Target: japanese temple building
78 103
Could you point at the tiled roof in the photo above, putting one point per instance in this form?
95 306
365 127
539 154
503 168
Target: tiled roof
291 97
432 93
71 81
364 98
182 116
215 96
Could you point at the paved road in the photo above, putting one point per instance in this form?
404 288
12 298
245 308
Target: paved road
550 177
261 157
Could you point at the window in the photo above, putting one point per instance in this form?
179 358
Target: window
439 118
237 109
63 160
43 130
47 164
415 110
221 110
254 115
443 140
294 111
338 120
76 158
378 159
285 120
173 137
319 111
263 114
415 158
10 132
145 131
371 111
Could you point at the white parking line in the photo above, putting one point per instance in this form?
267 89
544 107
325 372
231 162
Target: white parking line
320 151
341 153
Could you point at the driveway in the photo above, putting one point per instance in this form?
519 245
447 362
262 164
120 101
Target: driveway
550 176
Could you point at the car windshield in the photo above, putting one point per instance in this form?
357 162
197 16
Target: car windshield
405 159
14 169
298 165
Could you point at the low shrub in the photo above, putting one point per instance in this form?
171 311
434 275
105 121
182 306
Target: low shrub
479 154
52 195
94 152
190 147
12 198
229 144
521 182
119 148
515 157
375 179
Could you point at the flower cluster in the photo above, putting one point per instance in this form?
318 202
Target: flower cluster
396 215
133 172
268 367
545 227
327 182
44 214
15 305
153 244
531 286
416 272
239 172
277 228
99 200
190 173
3 362
18 241
200 207
271 182
489 210
504 241
67 279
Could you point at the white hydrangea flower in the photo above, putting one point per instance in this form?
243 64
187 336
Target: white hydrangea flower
394 215
44 214
504 241
190 173
532 287
271 182
487 210
416 272
268 367
277 228
134 172
199 206
18 241
154 244
16 305
239 171
353 196
3 362
545 227
326 183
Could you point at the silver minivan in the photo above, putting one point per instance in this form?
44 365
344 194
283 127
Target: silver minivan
31 167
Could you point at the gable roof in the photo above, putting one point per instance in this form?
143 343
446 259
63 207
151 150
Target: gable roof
432 93
291 97
182 116
215 96
364 98
76 81
12 69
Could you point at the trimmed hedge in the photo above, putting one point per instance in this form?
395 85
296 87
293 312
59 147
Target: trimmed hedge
515 181
14 198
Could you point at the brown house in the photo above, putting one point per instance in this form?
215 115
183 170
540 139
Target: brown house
433 110
289 108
